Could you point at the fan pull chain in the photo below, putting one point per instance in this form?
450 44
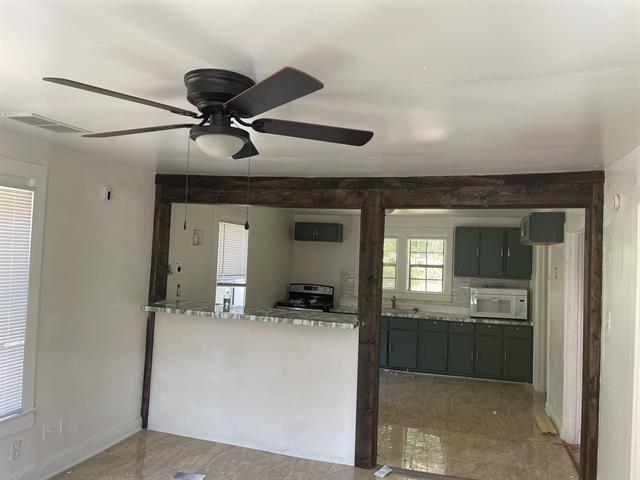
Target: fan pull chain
186 182
246 223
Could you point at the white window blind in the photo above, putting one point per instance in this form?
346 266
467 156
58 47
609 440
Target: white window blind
16 208
233 243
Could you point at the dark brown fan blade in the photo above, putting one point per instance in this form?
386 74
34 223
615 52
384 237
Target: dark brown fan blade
249 150
278 89
122 96
132 131
312 131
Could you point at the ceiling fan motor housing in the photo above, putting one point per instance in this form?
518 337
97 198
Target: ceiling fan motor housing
209 88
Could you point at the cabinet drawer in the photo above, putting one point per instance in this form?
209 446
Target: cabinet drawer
403 323
433 325
488 330
518 332
461 327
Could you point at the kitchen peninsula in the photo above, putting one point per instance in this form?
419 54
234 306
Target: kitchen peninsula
254 377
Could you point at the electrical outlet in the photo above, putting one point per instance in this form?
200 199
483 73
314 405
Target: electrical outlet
16 449
48 430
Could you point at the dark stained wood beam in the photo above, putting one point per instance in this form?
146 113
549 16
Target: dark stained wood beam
369 311
157 289
367 183
592 335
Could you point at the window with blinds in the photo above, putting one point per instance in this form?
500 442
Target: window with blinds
233 242
16 209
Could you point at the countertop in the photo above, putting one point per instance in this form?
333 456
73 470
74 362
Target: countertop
447 317
265 315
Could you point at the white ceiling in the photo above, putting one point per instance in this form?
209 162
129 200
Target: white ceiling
473 87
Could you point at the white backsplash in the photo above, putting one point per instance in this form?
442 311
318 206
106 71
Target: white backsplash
348 296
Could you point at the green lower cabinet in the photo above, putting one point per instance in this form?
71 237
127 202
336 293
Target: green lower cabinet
403 349
517 359
488 357
460 354
384 339
432 352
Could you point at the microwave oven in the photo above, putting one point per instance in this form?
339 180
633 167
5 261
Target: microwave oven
504 303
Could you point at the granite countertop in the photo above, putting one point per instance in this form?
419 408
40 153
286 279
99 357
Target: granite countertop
447 317
265 315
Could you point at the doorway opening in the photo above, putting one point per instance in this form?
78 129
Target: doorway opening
480 370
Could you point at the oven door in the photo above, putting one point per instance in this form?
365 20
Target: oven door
494 306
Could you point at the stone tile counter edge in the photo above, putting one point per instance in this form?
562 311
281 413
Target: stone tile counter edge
263 315
446 317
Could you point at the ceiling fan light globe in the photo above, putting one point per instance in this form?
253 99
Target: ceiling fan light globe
219 144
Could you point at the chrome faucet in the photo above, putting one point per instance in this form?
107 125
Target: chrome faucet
393 302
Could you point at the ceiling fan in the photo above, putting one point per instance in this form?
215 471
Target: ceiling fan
225 98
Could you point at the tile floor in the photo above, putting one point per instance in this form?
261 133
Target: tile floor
456 427
469 428
152 455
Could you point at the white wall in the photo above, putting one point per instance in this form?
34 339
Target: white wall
95 272
268 258
270 253
281 388
555 334
197 279
321 262
619 422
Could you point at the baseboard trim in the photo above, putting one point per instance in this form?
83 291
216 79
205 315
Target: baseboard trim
554 418
79 453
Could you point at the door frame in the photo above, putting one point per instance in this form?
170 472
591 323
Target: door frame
372 195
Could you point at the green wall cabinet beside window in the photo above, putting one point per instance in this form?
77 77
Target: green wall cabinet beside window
491 252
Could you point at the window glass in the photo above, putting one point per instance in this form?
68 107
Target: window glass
389 263
16 209
426 265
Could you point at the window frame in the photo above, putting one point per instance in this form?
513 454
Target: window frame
404 234
391 237
29 176
236 216
426 266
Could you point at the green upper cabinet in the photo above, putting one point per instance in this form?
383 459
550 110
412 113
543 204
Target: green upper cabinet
518 261
467 252
318 232
491 252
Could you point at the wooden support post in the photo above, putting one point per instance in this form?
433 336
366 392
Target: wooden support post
157 289
369 309
592 335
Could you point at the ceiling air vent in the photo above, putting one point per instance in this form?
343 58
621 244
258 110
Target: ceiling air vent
40 121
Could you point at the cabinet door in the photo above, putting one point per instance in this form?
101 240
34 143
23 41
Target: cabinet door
466 252
517 359
518 261
460 354
432 352
403 349
329 232
488 356
384 338
305 231
491 252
